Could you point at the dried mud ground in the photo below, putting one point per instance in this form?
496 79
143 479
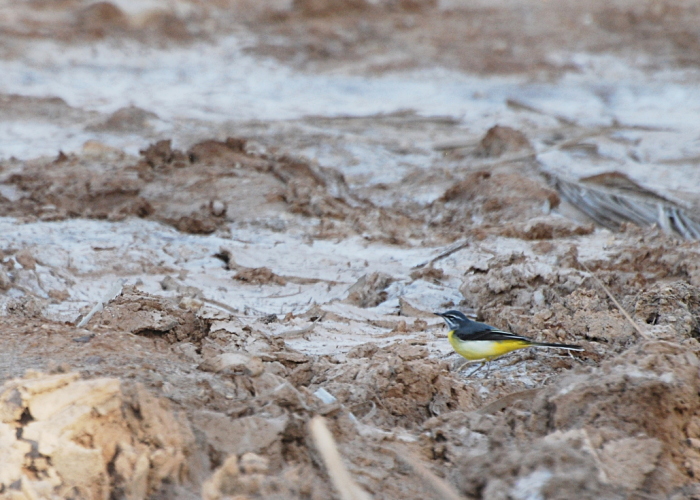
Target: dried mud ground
182 293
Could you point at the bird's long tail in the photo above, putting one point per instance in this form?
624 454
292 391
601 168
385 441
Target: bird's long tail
569 347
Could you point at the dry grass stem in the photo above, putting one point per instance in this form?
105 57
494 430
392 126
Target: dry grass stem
325 444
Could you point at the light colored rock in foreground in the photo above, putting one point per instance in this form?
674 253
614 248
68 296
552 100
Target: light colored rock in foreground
61 436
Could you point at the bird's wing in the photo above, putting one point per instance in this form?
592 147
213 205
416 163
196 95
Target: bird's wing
489 334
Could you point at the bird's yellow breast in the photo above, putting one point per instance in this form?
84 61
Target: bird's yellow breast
484 349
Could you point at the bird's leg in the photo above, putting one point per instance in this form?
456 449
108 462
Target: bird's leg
477 369
461 367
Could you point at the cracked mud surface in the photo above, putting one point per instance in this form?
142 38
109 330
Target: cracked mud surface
270 200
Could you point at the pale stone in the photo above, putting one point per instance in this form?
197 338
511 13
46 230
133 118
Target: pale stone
252 463
80 426
34 383
81 467
89 393
12 452
234 361
224 477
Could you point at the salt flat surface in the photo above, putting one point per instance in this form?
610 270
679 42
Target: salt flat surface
95 253
217 82
208 86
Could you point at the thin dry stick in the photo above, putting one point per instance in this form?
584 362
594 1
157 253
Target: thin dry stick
112 293
454 247
442 489
220 305
323 439
619 306
291 334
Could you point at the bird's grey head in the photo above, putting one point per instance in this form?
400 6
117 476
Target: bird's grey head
453 318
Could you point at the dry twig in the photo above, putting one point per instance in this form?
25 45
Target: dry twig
112 293
323 439
619 306
454 247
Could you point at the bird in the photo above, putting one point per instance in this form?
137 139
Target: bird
479 341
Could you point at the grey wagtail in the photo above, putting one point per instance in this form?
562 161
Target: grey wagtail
474 340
